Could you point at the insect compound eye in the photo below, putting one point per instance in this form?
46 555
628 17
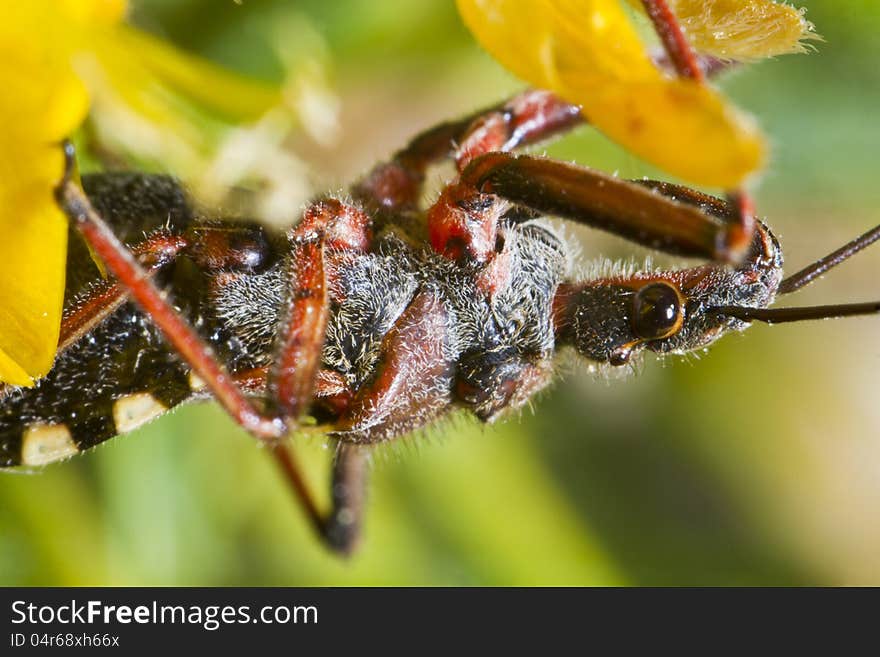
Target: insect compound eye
657 311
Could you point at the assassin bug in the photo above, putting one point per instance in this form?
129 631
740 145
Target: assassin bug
377 317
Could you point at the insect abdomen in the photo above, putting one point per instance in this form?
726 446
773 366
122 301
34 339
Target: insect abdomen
122 373
110 382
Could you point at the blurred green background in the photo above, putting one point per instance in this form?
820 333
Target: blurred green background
756 464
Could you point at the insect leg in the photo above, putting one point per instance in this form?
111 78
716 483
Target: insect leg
634 211
529 117
680 52
463 221
155 252
176 329
412 381
340 528
328 223
102 385
687 64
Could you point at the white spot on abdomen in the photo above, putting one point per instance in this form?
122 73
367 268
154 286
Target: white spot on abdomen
134 410
196 383
46 443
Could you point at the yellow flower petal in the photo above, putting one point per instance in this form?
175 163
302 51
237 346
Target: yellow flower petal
46 46
714 145
42 103
12 372
33 228
85 12
741 30
32 259
588 52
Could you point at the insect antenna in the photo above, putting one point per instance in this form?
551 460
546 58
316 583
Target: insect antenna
803 278
808 274
783 315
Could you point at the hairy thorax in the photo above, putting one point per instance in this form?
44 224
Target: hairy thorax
486 352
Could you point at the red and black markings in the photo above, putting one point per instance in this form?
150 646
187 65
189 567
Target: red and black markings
406 392
462 305
109 382
373 383
327 224
384 334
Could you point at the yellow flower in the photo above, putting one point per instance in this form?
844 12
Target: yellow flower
57 57
42 102
741 30
588 52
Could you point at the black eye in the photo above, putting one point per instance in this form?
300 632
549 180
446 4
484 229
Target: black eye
656 311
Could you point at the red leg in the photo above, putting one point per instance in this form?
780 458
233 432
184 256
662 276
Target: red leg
680 52
463 222
525 119
179 333
122 264
340 528
155 252
326 224
412 382
686 62
294 477
333 393
692 226
529 117
741 230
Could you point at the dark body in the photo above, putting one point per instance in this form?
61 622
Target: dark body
376 315
235 307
